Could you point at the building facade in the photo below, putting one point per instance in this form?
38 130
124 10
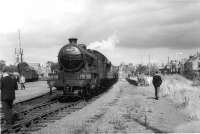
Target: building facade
193 63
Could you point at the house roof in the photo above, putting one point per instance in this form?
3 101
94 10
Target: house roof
193 58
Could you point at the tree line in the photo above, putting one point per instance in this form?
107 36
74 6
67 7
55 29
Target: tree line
7 68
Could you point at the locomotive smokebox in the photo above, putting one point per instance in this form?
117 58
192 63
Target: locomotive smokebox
73 41
70 56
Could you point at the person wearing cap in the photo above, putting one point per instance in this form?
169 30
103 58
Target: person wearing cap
157 81
8 87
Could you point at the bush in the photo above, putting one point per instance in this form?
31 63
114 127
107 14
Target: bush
192 75
183 94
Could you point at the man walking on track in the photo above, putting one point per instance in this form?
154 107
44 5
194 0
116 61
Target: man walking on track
8 87
157 81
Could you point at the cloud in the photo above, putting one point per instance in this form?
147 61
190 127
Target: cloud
142 24
137 24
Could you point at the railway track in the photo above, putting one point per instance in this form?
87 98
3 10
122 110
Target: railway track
35 118
37 115
22 107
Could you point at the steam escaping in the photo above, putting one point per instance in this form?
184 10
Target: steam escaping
106 45
108 48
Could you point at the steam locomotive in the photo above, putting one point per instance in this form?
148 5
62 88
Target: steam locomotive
83 72
29 73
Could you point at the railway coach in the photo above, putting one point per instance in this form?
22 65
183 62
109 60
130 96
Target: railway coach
29 73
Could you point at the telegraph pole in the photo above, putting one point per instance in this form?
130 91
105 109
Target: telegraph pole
20 49
19 52
149 64
168 60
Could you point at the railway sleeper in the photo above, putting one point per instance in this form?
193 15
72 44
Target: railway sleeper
24 124
25 112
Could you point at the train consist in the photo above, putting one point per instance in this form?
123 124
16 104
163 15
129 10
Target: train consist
29 73
83 72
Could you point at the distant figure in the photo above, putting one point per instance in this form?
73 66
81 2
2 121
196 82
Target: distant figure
157 81
8 87
22 81
51 84
141 79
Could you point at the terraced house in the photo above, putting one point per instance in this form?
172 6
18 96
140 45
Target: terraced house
192 65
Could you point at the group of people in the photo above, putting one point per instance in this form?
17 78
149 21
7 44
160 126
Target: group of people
8 85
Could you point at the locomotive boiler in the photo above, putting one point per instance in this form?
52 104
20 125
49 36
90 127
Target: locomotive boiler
83 71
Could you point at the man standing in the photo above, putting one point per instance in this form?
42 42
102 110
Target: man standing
157 81
8 87
50 84
22 81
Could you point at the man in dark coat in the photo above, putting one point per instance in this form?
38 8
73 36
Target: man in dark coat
15 79
8 87
1 76
157 81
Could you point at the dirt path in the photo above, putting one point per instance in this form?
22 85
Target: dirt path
123 109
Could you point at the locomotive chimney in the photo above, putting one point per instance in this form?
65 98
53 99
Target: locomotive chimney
73 41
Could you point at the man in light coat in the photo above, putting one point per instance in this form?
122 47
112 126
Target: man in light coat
22 82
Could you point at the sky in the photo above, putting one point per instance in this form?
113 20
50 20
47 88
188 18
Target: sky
136 31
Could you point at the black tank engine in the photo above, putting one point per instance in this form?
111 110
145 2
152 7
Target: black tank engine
83 72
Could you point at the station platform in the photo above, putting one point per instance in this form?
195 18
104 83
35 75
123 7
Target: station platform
33 89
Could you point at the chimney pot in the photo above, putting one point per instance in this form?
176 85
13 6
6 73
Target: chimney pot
73 40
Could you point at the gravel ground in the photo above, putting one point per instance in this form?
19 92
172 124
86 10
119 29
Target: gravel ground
124 109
